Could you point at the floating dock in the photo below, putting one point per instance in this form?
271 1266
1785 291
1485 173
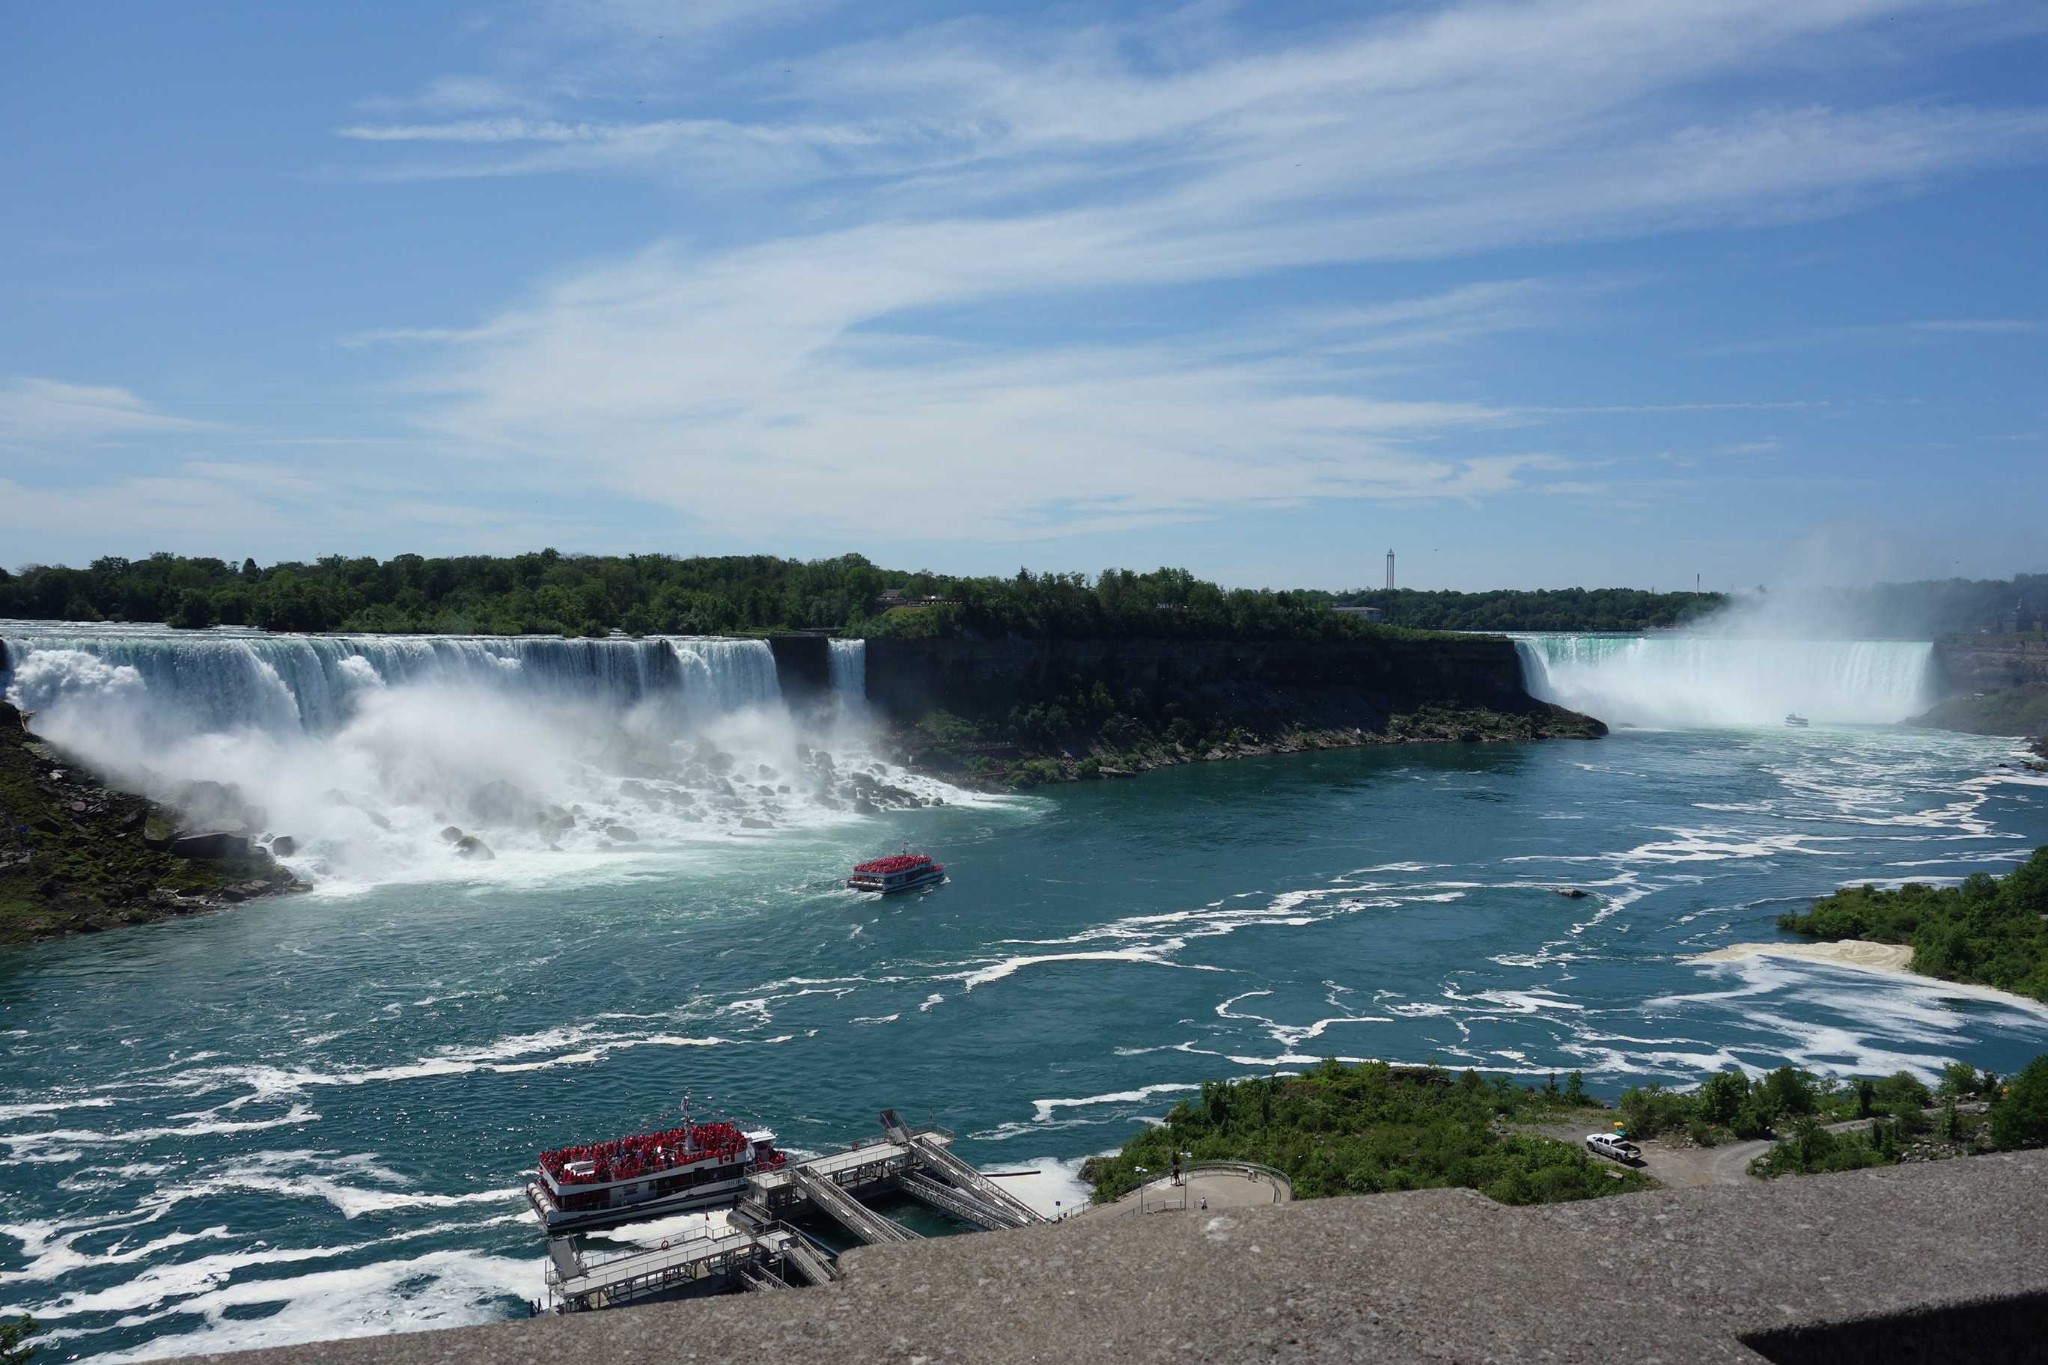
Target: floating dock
759 1249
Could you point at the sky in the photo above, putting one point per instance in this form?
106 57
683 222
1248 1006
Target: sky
1536 294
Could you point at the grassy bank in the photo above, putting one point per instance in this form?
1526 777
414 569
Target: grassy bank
1365 1129
1990 931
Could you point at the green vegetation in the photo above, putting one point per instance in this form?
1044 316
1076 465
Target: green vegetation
1617 609
1363 1129
552 593
14 1335
2020 1118
2020 710
1990 931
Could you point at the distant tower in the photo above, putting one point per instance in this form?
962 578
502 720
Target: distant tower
1390 571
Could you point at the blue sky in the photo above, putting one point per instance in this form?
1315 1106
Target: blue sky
1540 293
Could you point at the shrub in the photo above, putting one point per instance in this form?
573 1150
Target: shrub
2019 1118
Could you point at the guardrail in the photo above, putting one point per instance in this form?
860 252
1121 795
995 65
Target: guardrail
1284 1188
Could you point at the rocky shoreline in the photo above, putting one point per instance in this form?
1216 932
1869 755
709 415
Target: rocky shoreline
79 857
1010 766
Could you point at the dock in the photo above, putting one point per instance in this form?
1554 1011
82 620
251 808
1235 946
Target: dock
760 1250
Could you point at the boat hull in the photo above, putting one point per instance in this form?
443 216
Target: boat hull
722 1194
878 887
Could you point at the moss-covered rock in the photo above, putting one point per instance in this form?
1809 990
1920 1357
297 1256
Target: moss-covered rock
78 856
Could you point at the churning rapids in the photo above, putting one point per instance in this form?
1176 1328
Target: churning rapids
310 1117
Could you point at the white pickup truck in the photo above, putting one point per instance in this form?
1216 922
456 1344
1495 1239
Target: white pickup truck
1614 1148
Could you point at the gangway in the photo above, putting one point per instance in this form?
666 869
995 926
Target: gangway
807 1263
864 1223
576 1284
958 1203
1013 1212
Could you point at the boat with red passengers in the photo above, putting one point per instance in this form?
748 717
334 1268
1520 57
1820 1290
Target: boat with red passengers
905 871
648 1175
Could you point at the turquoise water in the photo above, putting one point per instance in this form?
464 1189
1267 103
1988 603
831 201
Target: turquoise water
311 1117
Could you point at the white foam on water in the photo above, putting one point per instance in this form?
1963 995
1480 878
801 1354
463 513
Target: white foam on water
439 1289
1043 1110
1055 1191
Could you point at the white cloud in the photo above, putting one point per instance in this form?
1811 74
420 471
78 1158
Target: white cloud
49 412
957 169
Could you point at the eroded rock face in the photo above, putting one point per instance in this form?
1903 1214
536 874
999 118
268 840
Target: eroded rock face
211 846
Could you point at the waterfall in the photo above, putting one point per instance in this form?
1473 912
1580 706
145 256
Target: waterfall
369 749
849 663
1680 680
229 680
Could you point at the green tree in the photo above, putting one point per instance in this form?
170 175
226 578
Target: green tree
14 1335
2019 1117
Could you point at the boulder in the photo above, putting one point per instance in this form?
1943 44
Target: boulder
469 846
211 845
283 846
1571 893
620 834
450 835
10 715
754 822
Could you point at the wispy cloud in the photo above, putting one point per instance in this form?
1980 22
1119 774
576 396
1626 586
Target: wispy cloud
49 412
1908 333
956 169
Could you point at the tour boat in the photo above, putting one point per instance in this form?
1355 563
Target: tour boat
905 871
1797 722
648 1175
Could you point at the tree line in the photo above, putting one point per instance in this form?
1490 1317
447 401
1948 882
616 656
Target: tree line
553 593
548 592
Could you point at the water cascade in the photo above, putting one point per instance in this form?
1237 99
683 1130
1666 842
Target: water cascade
1676 680
367 748
849 663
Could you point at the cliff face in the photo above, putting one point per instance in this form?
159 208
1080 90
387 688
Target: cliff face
909 677
1968 664
1991 685
1043 710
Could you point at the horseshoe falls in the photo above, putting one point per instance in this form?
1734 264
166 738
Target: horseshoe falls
1675 680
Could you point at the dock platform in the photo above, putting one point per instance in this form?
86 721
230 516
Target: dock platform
757 1249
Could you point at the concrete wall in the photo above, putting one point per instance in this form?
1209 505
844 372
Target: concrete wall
1937 1261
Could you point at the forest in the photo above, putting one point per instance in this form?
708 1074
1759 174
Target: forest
551 593
556 594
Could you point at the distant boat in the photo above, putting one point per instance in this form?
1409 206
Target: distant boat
1796 721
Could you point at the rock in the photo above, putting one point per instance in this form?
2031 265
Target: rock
283 846
451 835
499 802
620 834
1571 893
10 714
211 845
754 822
469 846
636 791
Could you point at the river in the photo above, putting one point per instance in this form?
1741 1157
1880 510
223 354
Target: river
311 1117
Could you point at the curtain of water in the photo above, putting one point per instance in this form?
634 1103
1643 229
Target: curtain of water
1675 680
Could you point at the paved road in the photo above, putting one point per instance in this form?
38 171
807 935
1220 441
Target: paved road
1681 1166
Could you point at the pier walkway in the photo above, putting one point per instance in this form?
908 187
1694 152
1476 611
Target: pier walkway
757 1249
